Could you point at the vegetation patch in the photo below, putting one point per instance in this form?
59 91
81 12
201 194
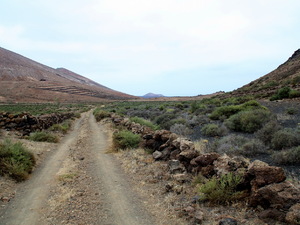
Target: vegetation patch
100 114
144 122
214 130
221 190
285 138
248 121
15 160
43 136
287 157
63 127
239 145
227 111
285 92
125 139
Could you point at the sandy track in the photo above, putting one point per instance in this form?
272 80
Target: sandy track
78 184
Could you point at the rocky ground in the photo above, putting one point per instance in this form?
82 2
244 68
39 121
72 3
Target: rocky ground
81 181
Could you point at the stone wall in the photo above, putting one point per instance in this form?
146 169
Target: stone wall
26 123
266 185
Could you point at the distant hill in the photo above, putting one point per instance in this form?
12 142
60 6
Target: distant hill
152 95
24 80
286 75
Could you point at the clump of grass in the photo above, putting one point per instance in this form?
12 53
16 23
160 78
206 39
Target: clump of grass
15 160
221 190
248 121
100 114
285 138
287 157
43 136
144 122
126 139
63 127
213 130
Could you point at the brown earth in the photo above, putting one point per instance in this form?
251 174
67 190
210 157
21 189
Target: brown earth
24 80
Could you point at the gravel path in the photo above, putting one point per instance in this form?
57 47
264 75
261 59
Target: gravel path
78 184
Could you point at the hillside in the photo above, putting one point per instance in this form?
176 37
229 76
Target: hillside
286 75
152 95
24 80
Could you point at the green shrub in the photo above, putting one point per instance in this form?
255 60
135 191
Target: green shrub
248 121
100 114
282 93
227 111
63 127
213 130
43 136
144 122
125 139
294 94
287 157
221 190
15 160
285 138
265 134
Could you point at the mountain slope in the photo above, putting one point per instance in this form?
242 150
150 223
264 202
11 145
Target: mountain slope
24 80
152 95
286 75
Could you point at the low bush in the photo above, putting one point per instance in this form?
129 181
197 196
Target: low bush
239 145
248 121
43 136
15 160
285 92
227 111
265 134
221 190
287 157
294 94
213 130
181 129
100 114
285 138
63 127
144 122
125 139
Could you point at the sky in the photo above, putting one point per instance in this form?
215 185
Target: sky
169 47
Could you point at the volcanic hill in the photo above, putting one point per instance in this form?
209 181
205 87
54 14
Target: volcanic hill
24 80
286 75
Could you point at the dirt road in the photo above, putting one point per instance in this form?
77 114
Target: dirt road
78 184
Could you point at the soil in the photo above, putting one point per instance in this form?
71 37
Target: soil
79 183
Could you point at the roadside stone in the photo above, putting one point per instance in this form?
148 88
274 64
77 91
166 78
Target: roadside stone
264 174
205 159
225 164
293 216
157 155
181 177
272 214
176 167
279 195
198 217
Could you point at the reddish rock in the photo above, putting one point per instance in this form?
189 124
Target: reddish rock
264 174
279 195
205 159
